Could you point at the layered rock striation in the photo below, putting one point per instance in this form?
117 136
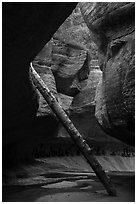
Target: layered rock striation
70 65
65 66
112 29
88 91
75 79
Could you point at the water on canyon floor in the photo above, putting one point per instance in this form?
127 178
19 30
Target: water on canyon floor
69 179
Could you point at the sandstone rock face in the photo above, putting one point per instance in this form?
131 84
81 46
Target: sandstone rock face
82 111
44 56
68 62
87 95
70 65
112 29
74 83
48 78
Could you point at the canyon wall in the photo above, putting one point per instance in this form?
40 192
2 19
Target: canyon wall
113 30
98 98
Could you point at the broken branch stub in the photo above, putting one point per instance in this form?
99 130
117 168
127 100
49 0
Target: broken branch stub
73 132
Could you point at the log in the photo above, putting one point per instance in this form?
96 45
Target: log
73 132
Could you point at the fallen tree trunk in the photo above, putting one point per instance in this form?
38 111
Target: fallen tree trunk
73 132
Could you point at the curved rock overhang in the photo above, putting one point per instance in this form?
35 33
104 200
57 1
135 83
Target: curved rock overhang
112 26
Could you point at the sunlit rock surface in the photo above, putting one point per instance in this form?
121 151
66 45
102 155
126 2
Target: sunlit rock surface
70 65
112 29
82 111
64 65
58 172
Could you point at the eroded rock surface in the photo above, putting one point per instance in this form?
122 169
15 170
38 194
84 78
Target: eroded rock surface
112 29
67 63
70 65
75 82
82 111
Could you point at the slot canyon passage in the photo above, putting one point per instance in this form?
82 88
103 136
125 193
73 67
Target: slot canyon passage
85 54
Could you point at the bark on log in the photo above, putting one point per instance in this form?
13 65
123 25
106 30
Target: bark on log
73 132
